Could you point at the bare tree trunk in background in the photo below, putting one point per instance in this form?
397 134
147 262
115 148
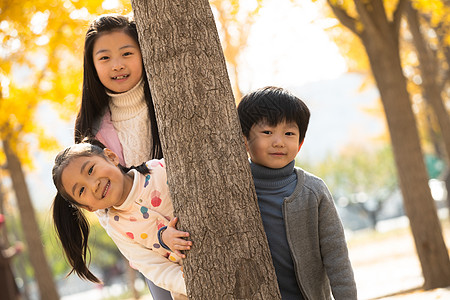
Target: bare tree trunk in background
432 86
447 186
380 39
431 83
42 271
4 233
208 172
434 133
131 282
20 260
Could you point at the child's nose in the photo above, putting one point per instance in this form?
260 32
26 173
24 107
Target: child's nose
95 186
118 65
278 141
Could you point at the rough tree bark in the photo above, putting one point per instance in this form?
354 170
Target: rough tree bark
42 271
208 171
380 39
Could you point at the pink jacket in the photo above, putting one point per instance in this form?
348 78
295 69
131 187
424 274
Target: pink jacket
107 135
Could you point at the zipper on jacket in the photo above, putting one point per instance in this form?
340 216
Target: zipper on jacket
297 277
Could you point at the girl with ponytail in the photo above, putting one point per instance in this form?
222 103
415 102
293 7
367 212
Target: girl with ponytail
132 204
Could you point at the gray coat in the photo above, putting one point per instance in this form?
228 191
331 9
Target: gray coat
316 238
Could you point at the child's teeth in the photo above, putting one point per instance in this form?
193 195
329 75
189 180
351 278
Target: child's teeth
106 189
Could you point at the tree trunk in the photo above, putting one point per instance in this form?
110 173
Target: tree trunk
380 39
418 202
419 205
20 259
434 133
431 84
208 172
131 276
42 272
447 186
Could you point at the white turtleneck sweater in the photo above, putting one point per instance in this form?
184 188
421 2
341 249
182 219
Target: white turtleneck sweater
129 116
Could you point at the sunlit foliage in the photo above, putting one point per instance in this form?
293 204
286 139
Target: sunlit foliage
40 61
234 19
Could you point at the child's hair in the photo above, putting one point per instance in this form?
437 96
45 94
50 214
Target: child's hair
272 105
69 220
94 99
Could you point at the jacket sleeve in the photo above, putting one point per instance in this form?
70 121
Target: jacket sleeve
334 249
152 265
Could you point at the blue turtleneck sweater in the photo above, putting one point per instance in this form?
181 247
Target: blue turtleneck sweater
272 187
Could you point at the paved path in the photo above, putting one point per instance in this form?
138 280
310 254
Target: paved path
443 294
386 266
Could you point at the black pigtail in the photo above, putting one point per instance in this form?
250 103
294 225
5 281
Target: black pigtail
142 168
72 228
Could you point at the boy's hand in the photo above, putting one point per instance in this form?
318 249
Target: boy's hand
173 238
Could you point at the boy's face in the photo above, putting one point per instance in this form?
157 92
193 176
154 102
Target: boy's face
273 146
96 182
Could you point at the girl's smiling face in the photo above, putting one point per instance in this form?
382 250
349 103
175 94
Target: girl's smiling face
95 182
118 61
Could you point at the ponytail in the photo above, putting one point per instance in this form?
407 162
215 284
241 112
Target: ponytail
72 228
142 168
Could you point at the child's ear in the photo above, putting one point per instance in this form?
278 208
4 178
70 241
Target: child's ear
246 143
111 156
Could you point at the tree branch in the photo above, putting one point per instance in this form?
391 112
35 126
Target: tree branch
445 80
344 18
369 13
401 7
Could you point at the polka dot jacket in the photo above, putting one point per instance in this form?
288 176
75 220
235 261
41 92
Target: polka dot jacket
134 226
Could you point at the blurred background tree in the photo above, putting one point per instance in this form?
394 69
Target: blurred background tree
234 20
377 24
361 178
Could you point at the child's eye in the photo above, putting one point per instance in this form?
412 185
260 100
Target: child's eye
90 170
267 132
103 58
290 133
81 191
127 54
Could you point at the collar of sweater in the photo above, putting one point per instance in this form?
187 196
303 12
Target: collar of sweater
125 106
272 178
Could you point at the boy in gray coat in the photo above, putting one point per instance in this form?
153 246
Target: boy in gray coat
303 228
